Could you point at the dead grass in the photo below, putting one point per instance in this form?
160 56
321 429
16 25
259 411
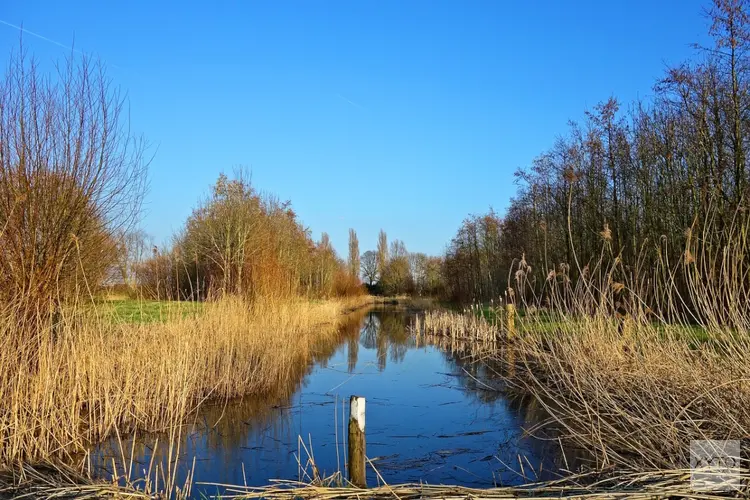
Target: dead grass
637 400
93 378
630 363
63 482
593 484
634 398
666 484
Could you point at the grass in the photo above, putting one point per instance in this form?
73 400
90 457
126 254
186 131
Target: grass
64 482
136 311
544 322
633 391
634 398
643 485
89 378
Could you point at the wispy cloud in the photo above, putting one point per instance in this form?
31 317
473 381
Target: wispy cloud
351 102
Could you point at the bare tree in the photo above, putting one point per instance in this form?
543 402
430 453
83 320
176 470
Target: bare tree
353 254
398 250
239 242
397 278
133 249
626 185
382 252
418 265
225 232
71 178
731 31
326 265
370 267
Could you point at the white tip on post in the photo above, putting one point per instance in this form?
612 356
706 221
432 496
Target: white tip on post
357 411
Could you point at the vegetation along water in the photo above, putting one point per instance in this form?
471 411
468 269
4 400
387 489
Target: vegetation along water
593 338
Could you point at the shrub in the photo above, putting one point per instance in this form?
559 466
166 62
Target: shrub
71 177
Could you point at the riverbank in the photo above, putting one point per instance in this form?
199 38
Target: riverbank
478 433
91 378
64 483
634 395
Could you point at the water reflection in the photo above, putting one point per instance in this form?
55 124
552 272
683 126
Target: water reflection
434 415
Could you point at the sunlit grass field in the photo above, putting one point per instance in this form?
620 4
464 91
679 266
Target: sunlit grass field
549 323
139 311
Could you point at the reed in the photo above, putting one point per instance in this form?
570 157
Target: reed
593 485
64 482
93 378
466 326
631 362
634 399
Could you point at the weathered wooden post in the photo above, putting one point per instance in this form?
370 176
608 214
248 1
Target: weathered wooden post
357 447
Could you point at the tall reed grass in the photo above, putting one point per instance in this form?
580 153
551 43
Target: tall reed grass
634 399
92 377
631 363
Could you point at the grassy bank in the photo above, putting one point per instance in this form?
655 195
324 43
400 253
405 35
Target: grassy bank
634 398
91 377
127 310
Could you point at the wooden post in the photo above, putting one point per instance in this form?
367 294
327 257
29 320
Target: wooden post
357 448
510 311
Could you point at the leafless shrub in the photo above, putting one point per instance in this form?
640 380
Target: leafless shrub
71 177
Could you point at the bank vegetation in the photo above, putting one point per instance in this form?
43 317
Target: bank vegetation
625 256
72 179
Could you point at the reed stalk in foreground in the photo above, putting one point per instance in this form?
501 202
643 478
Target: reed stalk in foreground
631 364
594 484
634 399
93 378
63 482
649 485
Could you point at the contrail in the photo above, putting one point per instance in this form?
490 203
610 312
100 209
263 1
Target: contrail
42 37
24 30
351 102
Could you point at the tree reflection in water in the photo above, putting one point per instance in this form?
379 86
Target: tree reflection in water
439 412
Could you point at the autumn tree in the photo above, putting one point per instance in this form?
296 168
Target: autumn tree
72 177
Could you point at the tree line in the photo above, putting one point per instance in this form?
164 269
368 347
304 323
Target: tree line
239 242
633 188
392 270
72 180
630 188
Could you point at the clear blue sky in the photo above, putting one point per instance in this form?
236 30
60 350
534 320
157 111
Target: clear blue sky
403 115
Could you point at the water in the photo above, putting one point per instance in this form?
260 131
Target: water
430 418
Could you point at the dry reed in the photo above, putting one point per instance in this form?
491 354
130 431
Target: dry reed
633 392
95 378
594 485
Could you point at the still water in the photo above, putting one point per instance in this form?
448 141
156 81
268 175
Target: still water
430 418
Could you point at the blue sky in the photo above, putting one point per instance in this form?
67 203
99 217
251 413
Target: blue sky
402 115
